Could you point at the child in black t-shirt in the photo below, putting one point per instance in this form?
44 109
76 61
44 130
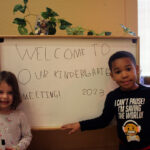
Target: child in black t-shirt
130 104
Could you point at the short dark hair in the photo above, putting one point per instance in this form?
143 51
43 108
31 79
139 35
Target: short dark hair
121 54
11 80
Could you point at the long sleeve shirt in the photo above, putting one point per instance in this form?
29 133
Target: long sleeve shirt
132 112
15 130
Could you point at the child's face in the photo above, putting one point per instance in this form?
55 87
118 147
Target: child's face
6 96
124 73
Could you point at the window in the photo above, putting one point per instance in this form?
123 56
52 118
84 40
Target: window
144 34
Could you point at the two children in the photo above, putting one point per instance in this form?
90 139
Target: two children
14 127
129 103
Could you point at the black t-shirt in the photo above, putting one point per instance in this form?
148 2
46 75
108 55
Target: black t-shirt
132 112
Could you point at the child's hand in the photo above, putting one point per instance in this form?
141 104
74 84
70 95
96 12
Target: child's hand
73 127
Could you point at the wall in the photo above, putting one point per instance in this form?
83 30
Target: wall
99 15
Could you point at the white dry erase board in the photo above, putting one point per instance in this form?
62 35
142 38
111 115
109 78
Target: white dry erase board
62 79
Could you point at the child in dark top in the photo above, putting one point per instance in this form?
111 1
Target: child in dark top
129 103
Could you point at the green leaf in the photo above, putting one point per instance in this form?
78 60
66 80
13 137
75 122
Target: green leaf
31 33
22 30
101 34
75 31
20 21
49 13
51 24
51 31
53 19
91 32
45 15
64 24
126 29
107 33
17 8
20 8
25 1
24 9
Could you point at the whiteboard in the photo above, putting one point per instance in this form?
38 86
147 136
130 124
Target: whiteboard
62 80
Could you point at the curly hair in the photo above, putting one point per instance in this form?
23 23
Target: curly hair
121 54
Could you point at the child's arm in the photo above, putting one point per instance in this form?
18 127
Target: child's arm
26 135
73 127
95 123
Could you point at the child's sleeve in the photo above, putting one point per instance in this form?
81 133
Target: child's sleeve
26 135
103 120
